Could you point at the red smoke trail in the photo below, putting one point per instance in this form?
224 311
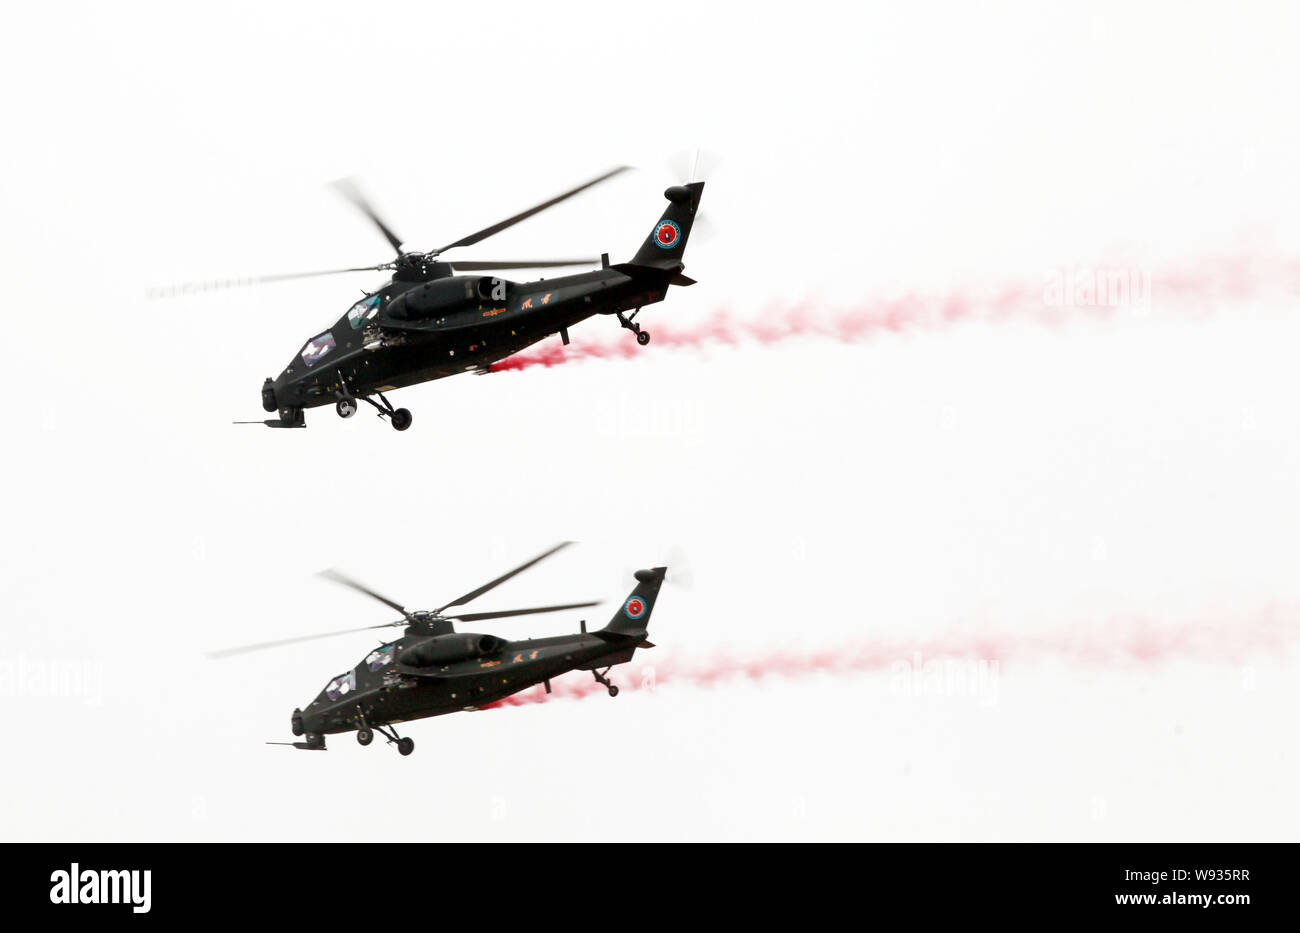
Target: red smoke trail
1193 287
1114 644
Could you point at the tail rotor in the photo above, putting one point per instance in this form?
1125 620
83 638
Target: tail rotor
696 165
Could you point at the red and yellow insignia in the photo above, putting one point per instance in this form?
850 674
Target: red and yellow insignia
667 234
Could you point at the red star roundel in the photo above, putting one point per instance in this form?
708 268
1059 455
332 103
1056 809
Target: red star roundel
634 608
667 234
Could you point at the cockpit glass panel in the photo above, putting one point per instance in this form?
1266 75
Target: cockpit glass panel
341 685
363 311
318 348
380 657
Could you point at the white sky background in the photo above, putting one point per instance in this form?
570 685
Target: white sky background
1004 478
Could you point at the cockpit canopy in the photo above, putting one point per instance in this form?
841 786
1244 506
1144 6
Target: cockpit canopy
341 686
363 312
380 658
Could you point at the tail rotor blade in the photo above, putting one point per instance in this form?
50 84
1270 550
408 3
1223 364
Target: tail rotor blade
673 557
680 571
693 165
690 165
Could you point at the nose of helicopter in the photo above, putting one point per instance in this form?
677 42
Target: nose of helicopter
305 722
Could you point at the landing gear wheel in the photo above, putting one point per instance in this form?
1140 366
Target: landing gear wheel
401 421
346 407
365 736
642 337
603 680
405 746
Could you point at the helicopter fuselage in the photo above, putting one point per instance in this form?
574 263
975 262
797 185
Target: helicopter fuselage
410 332
382 689
433 669
429 322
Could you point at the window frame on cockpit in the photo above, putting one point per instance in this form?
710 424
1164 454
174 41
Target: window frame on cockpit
381 657
364 311
341 686
327 344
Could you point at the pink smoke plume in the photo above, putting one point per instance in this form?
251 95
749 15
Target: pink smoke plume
1113 644
1195 287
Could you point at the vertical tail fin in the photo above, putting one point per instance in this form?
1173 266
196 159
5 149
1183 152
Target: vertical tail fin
664 247
633 616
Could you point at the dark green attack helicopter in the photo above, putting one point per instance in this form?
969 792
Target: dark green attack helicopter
432 321
433 669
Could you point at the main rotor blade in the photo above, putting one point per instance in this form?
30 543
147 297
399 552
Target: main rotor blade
348 188
347 581
279 642
511 221
475 594
478 264
218 285
479 616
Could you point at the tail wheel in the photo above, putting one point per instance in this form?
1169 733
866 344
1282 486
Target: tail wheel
346 407
365 736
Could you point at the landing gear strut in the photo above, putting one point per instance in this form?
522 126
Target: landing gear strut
404 746
602 679
400 418
642 336
346 405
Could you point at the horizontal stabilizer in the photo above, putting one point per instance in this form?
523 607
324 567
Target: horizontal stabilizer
613 635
